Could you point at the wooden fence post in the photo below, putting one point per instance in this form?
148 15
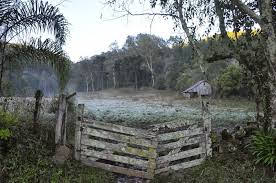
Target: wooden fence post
206 115
38 99
153 159
60 117
60 133
78 131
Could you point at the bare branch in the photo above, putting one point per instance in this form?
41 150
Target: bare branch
124 15
151 23
243 7
152 14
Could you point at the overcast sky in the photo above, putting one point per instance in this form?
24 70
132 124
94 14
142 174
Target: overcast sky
90 34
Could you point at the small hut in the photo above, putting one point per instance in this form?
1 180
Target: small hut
201 88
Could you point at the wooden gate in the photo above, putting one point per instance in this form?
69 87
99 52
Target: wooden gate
142 153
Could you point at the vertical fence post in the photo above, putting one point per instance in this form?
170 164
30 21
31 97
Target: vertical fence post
38 100
78 131
60 119
206 115
152 158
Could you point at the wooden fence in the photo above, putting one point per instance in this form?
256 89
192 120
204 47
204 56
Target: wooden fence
142 153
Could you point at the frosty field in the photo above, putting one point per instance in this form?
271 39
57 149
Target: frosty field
142 110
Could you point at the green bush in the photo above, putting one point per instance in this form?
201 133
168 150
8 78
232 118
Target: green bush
7 121
264 148
229 81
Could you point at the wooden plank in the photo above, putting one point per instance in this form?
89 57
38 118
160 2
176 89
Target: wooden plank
78 132
207 127
152 162
116 158
117 148
178 123
77 140
180 155
180 166
179 134
185 141
119 137
116 169
120 129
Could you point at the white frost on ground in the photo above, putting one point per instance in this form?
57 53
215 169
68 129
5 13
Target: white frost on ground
132 113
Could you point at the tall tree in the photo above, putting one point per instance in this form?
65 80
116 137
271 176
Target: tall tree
149 47
184 13
257 52
18 17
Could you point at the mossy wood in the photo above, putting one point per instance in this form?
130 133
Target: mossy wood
143 153
118 128
118 137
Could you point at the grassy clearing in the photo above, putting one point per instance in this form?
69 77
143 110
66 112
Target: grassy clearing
144 112
234 167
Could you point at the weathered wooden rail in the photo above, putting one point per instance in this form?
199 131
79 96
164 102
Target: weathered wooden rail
142 153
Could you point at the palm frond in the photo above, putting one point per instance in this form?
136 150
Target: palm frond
5 6
21 16
41 52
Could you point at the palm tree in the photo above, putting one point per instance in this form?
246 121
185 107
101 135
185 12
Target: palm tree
19 17
38 51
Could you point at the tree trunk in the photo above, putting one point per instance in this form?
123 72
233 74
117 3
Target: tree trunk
64 125
38 99
102 80
136 80
87 84
258 102
220 14
92 82
2 59
192 41
114 77
268 111
152 79
269 34
1 75
150 67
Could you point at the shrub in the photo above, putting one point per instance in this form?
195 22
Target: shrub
30 160
230 80
7 121
264 148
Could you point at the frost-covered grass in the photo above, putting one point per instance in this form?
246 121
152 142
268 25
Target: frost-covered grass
142 113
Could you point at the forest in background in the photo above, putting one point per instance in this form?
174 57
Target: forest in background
144 61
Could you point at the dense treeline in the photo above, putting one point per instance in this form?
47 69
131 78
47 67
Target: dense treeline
150 61
143 61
